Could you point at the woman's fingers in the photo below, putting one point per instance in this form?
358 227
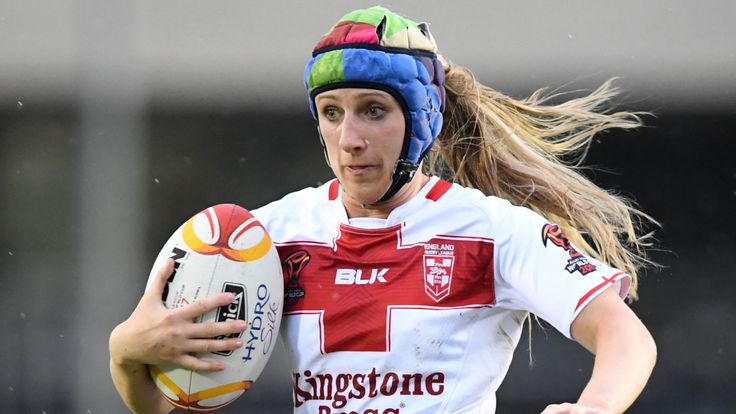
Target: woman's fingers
214 329
568 408
162 275
197 364
202 306
204 346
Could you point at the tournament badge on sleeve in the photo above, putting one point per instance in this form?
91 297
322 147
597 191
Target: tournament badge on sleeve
578 262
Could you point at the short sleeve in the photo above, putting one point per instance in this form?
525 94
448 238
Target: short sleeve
540 271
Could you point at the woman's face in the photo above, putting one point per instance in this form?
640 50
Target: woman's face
363 131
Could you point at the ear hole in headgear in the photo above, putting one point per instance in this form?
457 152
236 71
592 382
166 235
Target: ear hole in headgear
424 28
380 29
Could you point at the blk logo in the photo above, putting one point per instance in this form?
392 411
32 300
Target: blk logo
355 277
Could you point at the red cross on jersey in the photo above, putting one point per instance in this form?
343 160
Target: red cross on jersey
368 272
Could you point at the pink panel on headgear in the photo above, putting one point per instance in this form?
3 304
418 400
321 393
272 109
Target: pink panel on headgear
349 32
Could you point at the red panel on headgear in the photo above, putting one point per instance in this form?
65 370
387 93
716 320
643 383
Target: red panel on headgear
349 32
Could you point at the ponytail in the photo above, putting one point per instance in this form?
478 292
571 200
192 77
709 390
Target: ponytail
529 152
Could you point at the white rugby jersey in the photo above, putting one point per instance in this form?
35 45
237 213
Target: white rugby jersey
422 315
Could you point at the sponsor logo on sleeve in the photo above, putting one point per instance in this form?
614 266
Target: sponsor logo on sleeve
577 262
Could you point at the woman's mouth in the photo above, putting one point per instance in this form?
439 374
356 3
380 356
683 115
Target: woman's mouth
359 169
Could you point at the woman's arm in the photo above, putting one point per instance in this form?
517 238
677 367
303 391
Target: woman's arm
137 389
625 354
154 334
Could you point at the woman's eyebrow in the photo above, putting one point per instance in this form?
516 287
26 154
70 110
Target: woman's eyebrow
360 94
371 93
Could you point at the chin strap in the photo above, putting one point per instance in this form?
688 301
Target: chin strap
403 173
324 147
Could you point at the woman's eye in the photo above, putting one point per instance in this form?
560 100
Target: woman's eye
330 113
375 111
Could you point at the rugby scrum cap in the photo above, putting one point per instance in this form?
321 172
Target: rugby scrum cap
378 49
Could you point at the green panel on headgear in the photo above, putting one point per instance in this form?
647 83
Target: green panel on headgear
327 69
374 15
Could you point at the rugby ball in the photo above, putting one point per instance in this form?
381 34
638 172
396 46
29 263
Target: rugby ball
222 249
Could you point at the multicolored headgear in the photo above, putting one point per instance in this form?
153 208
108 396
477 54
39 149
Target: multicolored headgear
378 49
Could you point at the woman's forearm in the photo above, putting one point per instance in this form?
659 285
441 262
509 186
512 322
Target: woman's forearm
623 364
135 385
625 356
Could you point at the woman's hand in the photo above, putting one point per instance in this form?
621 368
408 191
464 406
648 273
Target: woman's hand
567 408
154 334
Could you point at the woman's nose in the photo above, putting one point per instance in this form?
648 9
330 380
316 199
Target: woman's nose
352 137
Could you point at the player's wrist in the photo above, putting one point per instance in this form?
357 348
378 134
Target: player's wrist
597 403
119 351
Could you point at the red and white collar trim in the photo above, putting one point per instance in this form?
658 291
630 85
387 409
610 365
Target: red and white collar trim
437 189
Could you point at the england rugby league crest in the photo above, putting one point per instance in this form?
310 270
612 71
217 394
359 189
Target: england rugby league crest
439 260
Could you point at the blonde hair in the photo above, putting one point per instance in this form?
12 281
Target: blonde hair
529 152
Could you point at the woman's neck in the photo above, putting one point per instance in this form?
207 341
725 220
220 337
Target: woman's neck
384 208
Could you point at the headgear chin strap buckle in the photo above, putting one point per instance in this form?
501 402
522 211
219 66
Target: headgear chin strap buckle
403 173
